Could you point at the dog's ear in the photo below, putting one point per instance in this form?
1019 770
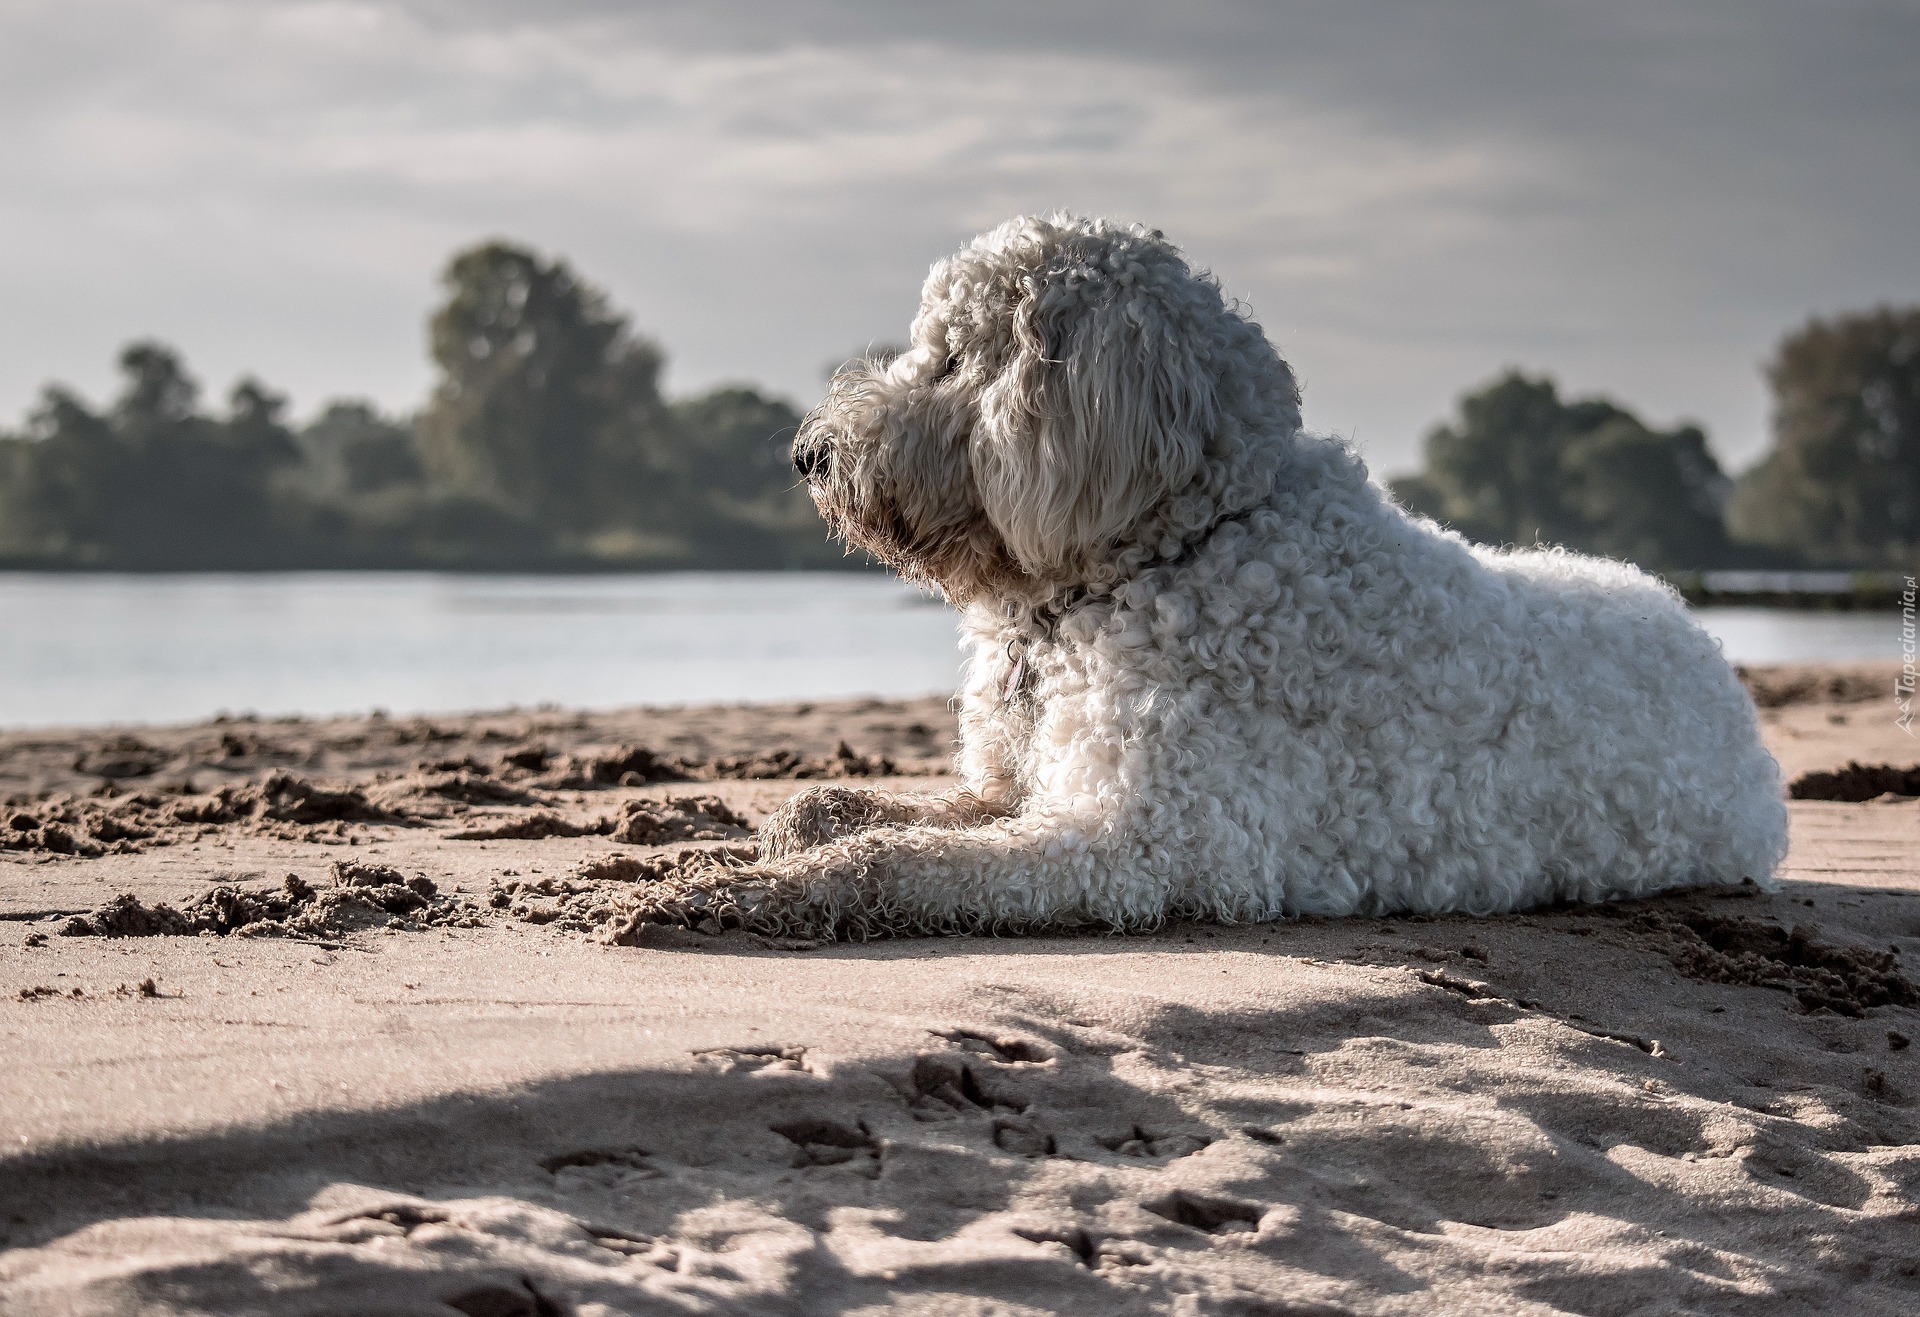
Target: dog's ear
1102 412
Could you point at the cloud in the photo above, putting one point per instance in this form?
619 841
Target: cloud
1639 196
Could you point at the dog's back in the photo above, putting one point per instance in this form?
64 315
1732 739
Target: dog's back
1334 707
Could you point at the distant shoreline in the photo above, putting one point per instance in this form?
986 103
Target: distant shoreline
1863 591
582 568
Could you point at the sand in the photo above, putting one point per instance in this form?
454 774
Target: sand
416 1077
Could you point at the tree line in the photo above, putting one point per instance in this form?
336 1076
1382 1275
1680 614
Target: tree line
1839 488
547 444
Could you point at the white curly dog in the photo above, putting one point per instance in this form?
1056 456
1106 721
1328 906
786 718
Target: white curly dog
1215 672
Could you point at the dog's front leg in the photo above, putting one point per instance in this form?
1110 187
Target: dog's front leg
1010 875
822 814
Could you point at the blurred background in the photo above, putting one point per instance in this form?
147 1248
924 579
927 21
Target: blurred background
428 355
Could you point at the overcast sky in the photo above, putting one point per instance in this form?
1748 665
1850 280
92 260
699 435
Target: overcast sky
1637 196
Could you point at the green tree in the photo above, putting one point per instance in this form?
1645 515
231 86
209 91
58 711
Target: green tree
738 443
734 448
153 482
1842 481
1646 496
1494 473
548 405
351 450
1520 465
190 490
546 443
54 505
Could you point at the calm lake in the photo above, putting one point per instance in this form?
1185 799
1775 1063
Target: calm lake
77 649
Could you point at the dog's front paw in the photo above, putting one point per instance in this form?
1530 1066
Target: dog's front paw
821 814
713 901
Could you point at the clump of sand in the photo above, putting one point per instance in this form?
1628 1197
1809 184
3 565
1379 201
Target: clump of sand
1778 685
536 752
359 896
1857 782
1716 946
655 822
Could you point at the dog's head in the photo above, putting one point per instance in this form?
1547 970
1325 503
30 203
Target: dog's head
1072 389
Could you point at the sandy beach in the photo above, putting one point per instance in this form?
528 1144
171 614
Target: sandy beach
342 1017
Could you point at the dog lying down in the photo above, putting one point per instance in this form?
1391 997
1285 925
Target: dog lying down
1215 672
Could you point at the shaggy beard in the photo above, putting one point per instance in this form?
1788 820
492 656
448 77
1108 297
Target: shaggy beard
949 546
963 567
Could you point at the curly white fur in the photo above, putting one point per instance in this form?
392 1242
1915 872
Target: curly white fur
1215 671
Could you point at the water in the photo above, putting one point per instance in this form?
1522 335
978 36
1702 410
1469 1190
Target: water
78 649
111 648
1789 635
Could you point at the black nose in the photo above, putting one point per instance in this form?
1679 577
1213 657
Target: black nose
809 458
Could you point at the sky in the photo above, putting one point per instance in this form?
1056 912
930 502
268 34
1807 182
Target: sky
1637 197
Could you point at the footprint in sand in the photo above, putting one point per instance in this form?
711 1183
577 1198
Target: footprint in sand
602 1168
943 1087
768 1056
1215 1216
829 1143
1023 1138
1138 1142
1007 1051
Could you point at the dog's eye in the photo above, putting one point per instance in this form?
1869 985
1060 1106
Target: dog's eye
947 368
